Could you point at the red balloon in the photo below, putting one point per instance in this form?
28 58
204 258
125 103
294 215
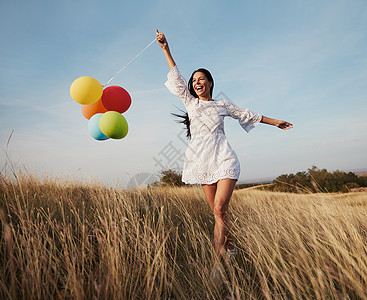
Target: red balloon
116 98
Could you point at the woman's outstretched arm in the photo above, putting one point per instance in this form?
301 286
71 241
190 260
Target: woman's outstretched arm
279 123
162 42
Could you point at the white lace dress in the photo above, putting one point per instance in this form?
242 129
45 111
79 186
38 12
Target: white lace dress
209 157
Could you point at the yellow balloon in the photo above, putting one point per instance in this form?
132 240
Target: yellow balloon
86 90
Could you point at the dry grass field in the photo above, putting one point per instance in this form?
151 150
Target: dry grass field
62 239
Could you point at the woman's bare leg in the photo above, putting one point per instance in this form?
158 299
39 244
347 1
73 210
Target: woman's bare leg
223 194
209 191
218 196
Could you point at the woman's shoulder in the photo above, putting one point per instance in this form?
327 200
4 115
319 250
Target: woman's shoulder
225 102
220 102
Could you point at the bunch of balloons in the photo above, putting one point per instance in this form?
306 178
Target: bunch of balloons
102 107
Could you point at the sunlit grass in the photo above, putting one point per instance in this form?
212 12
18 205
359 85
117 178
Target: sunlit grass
67 239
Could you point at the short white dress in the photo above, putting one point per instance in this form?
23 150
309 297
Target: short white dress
209 157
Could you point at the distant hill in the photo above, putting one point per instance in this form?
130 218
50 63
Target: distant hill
362 172
264 180
317 180
258 180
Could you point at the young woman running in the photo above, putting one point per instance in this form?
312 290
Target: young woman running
209 159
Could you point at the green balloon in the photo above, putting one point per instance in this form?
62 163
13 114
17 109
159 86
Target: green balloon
113 124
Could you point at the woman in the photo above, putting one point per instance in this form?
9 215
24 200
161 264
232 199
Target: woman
209 159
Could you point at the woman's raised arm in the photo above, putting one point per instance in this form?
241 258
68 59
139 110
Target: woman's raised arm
162 42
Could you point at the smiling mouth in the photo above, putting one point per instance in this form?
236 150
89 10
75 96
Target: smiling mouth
199 89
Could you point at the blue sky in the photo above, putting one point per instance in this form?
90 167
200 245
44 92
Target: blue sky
301 61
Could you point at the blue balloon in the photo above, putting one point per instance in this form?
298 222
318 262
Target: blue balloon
93 128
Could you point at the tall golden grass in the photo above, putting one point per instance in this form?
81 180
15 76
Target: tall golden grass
65 239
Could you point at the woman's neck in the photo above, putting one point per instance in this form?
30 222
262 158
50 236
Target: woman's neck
206 98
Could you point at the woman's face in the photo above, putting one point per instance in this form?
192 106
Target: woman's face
201 85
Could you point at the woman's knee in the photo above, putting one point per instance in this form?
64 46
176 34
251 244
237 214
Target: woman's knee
220 210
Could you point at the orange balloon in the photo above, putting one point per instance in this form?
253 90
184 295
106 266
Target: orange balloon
89 110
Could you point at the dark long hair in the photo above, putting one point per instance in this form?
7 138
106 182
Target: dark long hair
185 116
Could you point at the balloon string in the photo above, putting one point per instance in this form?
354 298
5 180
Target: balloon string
130 61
